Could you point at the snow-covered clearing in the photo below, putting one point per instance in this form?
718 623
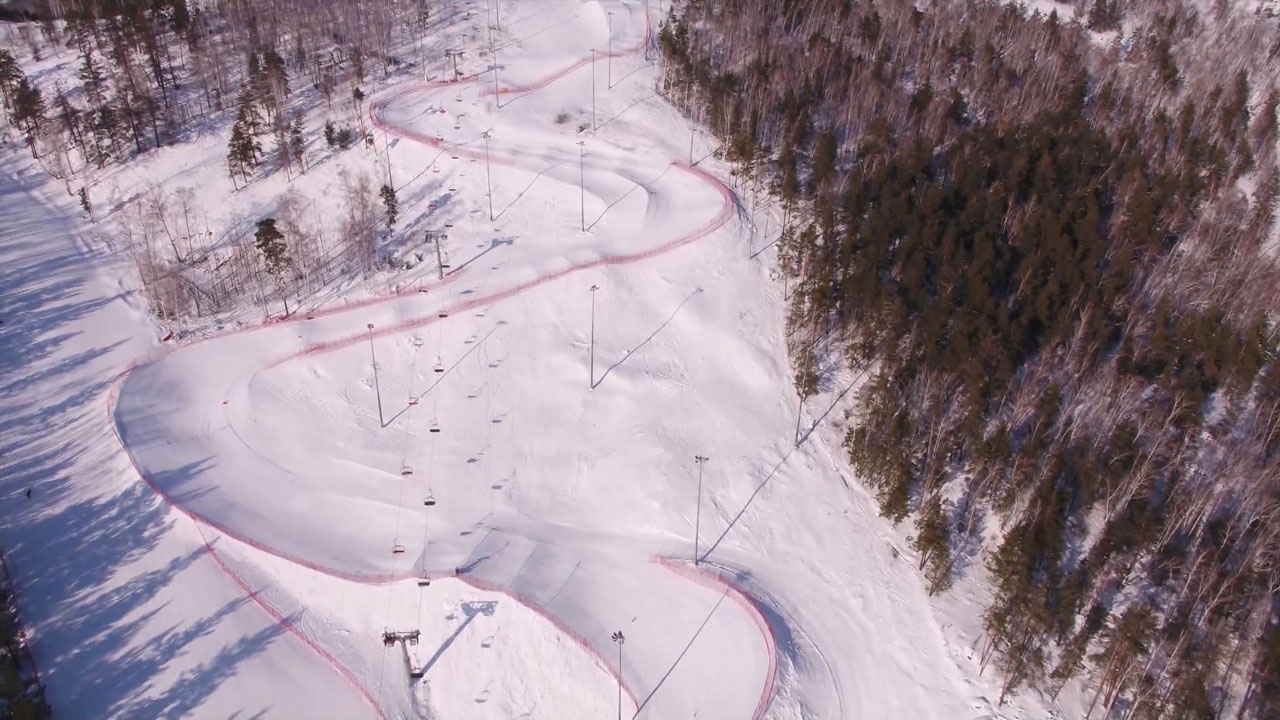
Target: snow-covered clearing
281 525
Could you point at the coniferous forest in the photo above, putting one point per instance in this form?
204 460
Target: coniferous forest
1050 245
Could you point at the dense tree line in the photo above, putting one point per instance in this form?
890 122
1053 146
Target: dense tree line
1054 251
21 694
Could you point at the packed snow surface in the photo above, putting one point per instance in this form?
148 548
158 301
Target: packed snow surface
498 456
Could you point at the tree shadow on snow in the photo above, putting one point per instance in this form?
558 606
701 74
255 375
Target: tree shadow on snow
100 639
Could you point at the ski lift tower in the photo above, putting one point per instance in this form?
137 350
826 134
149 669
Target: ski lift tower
455 55
405 639
438 238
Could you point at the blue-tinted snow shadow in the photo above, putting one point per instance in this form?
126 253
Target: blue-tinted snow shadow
98 649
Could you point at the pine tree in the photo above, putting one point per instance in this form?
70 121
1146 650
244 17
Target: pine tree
824 159
270 242
10 75
91 75
69 118
106 133
298 145
28 111
242 151
83 194
933 542
247 113
276 75
388 195
243 148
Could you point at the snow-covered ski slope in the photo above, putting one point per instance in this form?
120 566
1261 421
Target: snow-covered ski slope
275 520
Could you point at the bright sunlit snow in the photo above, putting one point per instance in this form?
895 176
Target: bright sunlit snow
300 493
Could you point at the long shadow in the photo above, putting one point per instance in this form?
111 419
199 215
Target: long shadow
183 697
425 170
494 244
652 335
629 73
104 645
448 371
635 186
747 504
472 610
520 194
836 401
770 244
646 98
667 674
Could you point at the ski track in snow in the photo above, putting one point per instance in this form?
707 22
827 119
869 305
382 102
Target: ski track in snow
711 579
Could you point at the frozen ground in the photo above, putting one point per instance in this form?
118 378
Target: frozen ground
254 571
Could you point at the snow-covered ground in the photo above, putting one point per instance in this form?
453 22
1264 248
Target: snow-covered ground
267 518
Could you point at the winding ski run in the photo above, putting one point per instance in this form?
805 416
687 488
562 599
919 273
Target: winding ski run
150 432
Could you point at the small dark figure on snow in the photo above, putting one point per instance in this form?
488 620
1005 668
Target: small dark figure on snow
28 493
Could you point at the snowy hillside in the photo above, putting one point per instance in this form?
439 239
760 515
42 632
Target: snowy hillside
497 457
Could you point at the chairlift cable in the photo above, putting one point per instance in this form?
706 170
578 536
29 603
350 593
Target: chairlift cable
395 556
431 460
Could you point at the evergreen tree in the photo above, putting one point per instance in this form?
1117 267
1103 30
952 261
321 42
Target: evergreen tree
91 75
247 113
242 151
933 542
10 75
83 194
244 148
275 72
388 195
283 148
297 145
68 118
824 159
270 242
1104 15
28 111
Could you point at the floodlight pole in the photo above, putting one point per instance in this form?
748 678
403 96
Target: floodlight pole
386 147
488 179
592 368
647 42
582 181
618 638
376 385
609 62
697 521
493 53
